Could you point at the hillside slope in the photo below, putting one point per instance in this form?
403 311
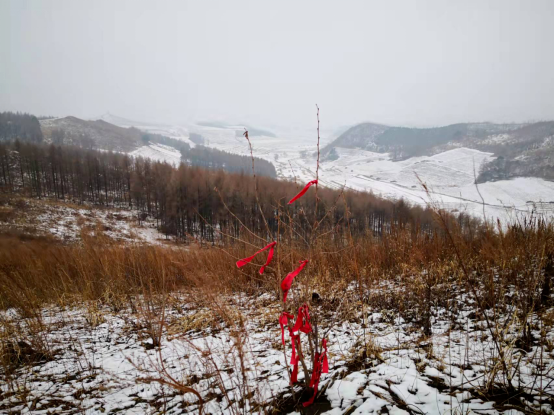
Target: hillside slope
94 134
525 149
148 143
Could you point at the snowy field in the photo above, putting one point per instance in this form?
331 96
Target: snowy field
449 176
68 222
159 153
105 364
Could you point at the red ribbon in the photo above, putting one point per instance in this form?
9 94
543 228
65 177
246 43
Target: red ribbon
303 320
287 281
325 365
321 365
283 321
245 261
294 359
314 375
294 375
303 191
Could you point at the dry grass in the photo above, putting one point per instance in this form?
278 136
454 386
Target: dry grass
506 273
516 263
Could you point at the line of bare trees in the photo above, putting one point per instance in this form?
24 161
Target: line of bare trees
189 200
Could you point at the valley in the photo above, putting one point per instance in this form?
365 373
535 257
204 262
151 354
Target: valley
276 208
449 175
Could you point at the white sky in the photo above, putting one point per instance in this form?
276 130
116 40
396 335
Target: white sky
268 62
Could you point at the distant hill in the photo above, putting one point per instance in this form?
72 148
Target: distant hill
119 121
20 126
99 134
93 134
239 128
361 136
523 149
253 131
216 124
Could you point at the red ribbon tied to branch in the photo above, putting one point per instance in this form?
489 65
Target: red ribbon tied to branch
245 261
287 281
303 191
325 365
294 358
283 321
303 320
321 365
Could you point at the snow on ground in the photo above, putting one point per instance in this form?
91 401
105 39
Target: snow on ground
159 153
173 131
67 221
106 364
449 175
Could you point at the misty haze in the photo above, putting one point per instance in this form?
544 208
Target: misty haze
247 207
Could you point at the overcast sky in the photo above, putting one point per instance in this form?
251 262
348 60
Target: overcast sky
268 62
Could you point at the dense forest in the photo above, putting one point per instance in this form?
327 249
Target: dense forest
20 126
189 200
218 159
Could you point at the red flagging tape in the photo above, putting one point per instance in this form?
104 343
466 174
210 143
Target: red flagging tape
245 261
303 191
321 365
287 281
325 366
295 358
283 321
303 320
